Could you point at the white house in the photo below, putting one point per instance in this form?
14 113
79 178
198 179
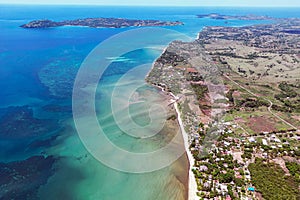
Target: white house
264 141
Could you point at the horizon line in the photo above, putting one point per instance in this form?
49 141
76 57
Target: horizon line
137 5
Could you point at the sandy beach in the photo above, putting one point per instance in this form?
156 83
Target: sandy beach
192 181
192 185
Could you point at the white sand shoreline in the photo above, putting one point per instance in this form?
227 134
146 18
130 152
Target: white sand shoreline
192 193
192 184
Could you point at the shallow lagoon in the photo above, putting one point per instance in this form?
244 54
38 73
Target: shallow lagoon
37 70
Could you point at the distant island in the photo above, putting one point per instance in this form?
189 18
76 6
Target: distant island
229 17
99 23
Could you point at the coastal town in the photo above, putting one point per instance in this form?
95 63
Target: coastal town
150 100
237 90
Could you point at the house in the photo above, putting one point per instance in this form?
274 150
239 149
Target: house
265 155
226 143
247 175
206 185
277 140
273 138
236 140
239 177
227 123
252 139
264 141
191 70
222 188
203 168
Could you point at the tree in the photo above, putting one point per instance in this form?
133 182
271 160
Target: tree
239 182
293 167
227 177
230 192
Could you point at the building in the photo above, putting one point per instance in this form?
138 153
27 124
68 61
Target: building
251 189
228 197
264 141
252 139
203 168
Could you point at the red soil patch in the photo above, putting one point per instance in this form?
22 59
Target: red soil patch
261 124
258 196
236 94
205 105
239 120
296 117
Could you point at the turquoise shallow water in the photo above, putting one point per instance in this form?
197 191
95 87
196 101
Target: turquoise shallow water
37 71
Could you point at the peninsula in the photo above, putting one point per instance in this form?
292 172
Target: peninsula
99 23
237 92
231 17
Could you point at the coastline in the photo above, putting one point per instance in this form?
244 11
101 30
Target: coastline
39 65
173 71
192 185
166 79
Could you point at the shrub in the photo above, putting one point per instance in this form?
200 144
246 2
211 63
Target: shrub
270 180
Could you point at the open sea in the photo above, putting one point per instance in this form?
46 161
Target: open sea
42 156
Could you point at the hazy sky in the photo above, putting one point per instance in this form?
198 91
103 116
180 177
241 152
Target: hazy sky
271 3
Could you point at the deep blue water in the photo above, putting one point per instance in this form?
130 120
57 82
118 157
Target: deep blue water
37 69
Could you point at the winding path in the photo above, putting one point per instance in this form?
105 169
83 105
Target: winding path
271 103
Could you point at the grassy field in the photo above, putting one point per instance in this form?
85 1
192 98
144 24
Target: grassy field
256 121
250 105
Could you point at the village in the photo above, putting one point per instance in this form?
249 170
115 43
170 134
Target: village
224 172
243 122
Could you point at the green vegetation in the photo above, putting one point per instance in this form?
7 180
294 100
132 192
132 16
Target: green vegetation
220 101
200 90
247 155
229 95
281 108
252 103
271 181
227 177
294 169
217 169
288 97
287 89
171 58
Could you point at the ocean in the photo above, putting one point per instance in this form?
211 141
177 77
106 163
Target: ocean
42 156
